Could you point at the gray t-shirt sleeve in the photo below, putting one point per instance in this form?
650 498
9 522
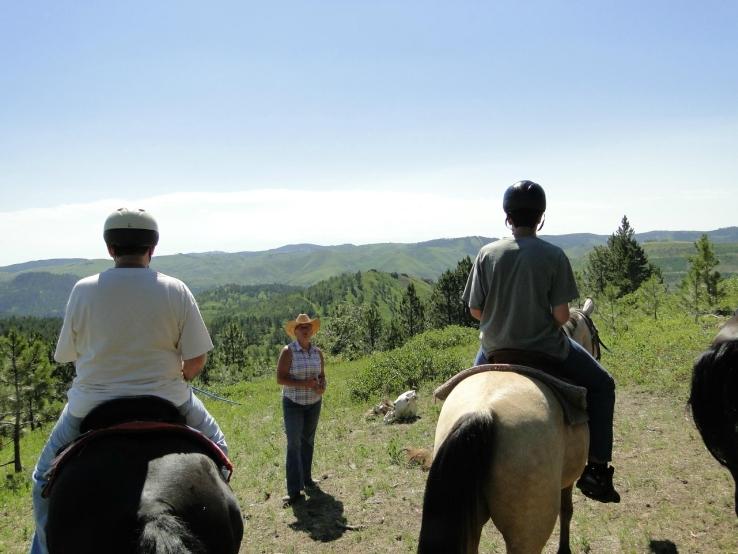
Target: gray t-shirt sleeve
195 339
564 286
475 292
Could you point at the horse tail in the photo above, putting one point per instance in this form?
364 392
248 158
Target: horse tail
165 533
454 506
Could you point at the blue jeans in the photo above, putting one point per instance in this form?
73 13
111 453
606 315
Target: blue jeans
66 430
583 370
300 424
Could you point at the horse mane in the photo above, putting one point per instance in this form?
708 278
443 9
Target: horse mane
714 401
452 505
165 533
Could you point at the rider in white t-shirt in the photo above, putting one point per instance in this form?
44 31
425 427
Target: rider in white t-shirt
129 331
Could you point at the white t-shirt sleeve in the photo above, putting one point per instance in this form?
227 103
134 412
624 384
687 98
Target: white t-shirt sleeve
195 339
66 348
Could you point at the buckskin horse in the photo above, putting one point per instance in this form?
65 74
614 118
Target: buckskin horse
714 398
132 488
503 451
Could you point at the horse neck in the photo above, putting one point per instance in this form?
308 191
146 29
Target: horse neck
581 329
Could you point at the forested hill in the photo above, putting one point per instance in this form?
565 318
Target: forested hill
280 302
41 287
301 264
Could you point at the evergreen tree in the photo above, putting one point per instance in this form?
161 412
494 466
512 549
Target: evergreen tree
444 299
25 382
628 259
691 293
598 270
343 332
412 312
446 305
652 294
705 262
232 344
394 335
622 263
373 325
701 287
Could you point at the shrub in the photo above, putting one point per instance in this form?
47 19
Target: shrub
424 359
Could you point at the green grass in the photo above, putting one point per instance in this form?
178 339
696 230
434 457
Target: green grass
373 491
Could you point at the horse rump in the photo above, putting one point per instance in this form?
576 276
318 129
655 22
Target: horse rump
714 402
152 493
454 509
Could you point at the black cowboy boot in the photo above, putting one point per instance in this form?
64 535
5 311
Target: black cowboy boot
596 483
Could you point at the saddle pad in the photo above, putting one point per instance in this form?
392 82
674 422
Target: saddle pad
134 427
573 398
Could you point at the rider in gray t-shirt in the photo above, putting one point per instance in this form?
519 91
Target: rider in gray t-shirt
525 276
519 289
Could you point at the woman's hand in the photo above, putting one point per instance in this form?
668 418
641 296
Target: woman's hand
317 384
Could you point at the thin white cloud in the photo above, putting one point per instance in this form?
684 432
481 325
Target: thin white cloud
269 218
238 221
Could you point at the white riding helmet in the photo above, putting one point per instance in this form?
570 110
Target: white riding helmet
130 228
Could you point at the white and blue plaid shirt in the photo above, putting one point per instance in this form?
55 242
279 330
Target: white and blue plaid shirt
305 365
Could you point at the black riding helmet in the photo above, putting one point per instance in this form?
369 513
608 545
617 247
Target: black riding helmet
130 228
524 195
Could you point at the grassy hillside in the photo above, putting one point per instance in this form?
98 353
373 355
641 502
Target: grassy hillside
371 498
672 258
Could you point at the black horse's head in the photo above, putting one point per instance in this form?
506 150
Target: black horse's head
714 402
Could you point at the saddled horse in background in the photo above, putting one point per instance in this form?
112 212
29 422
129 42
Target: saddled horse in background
503 451
156 490
714 398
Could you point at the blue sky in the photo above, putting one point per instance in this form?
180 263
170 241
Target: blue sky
246 126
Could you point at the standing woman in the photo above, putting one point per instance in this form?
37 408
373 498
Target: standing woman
300 371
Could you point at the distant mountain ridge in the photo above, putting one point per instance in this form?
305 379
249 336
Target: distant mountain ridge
44 289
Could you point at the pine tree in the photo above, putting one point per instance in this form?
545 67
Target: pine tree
26 383
412 312
393 335
691 293
622 263
652 295
344 331
598 270
628 259
446 305
702 286
373 324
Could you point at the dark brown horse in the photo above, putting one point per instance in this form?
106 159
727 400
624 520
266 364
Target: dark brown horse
142 492
714 398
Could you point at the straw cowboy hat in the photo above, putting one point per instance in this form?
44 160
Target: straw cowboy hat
301 319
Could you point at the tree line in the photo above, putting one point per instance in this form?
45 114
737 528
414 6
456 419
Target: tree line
360 312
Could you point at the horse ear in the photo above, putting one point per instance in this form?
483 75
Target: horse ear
588 307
